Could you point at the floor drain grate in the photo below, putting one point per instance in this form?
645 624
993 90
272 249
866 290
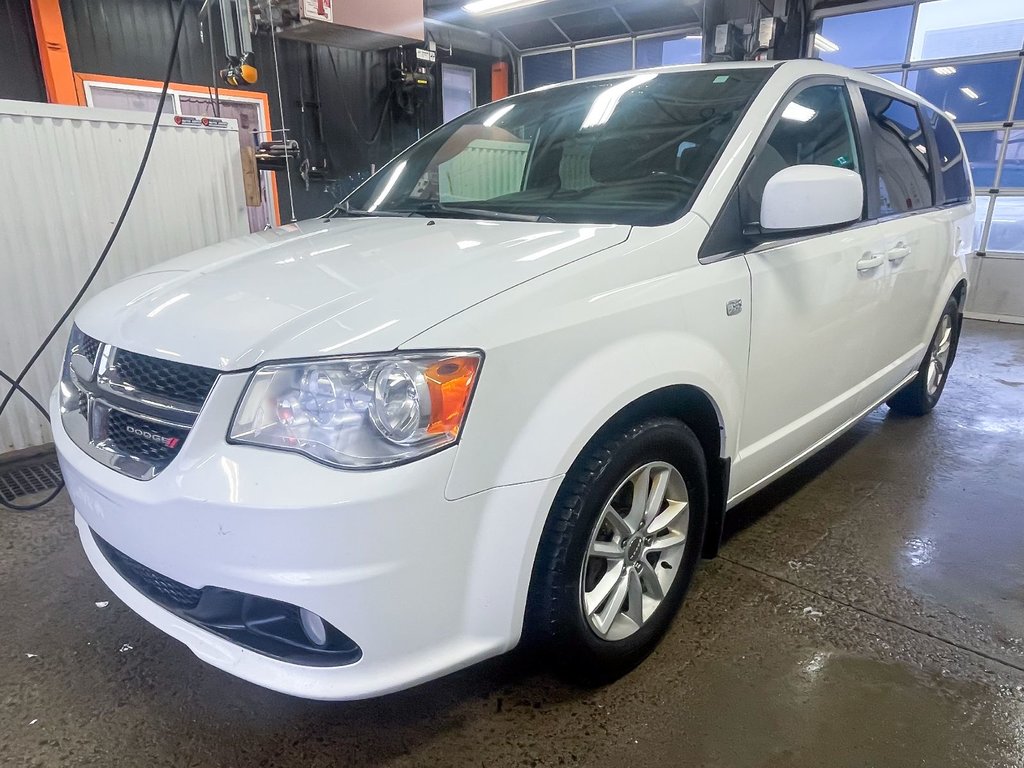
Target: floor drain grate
28 478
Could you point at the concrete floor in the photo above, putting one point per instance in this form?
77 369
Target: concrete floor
867 610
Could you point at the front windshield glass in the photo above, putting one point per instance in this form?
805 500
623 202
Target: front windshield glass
631 150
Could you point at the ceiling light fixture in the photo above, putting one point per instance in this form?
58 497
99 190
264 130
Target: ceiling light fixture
825 45
969 92
950 115
798 112
944 70
495 6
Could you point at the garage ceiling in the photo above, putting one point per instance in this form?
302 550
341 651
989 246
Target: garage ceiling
559 22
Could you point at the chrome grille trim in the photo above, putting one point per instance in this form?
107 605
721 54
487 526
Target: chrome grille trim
148 428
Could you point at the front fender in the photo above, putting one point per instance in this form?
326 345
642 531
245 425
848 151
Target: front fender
566 352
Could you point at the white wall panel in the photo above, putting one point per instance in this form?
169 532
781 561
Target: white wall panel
66 172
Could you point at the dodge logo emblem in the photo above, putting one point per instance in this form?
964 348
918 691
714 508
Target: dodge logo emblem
153 437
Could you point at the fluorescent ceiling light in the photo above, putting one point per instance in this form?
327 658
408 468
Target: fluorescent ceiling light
607 101
798 112
950 115
825 45
921 148
497 114
970 93
494 6
944 70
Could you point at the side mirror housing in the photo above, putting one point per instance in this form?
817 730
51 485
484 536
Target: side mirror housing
804 197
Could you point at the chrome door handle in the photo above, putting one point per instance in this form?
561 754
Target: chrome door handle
898 253
870 261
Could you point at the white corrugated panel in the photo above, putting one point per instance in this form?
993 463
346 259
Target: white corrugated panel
66 174
485 169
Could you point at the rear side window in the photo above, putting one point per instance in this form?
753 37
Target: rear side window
956 188
901 154
815 127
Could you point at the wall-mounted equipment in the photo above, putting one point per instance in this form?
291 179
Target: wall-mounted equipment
236 23
364 25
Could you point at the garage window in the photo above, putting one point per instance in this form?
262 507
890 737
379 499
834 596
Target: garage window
901 154
867 39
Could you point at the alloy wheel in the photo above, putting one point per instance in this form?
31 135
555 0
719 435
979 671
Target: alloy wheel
938 362
634 551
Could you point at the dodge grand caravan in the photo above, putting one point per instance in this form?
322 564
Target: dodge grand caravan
510 387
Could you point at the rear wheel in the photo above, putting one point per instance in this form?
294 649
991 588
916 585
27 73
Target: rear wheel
920 396
619 549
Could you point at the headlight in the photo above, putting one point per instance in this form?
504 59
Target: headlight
359 412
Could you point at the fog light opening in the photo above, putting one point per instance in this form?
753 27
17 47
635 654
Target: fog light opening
314 627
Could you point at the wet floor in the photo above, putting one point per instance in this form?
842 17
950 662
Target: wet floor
867 610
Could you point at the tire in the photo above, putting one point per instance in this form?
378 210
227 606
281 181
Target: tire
920 396
566 577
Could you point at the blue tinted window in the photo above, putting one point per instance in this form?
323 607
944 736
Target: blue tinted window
604 59
948 28
665 51
1013 165
892 77
1019 112
866 39
983 154
547 68
971 93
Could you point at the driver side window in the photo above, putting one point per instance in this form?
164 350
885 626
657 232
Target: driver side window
816 127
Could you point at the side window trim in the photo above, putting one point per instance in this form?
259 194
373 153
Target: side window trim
718 245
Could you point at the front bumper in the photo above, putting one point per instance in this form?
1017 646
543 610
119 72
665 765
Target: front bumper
423 585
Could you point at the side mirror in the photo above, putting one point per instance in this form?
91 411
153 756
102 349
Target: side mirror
804 197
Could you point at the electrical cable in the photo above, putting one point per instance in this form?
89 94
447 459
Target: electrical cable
16 382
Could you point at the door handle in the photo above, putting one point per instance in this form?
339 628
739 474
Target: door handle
870 261
898 253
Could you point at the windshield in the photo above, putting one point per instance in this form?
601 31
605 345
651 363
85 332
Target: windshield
631 150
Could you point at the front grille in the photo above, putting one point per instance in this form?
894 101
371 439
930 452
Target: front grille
130 412
162 590
89 347
187 384
143 439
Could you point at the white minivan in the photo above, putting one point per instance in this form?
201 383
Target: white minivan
510 388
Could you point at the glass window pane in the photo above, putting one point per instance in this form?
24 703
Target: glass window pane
955 187
968 93
458 91
892 77
1013 165
1006 235
816 128
665 51
947 28
904 183
866 39
127 98
604 59
1018 113
980 214
547 68
983 153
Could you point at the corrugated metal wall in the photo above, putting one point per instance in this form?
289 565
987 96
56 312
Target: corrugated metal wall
66 174
20 75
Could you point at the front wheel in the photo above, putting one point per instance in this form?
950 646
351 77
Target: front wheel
920 396
619 549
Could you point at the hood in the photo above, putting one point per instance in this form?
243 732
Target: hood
323 288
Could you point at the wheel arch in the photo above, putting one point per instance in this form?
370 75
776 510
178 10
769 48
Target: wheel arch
698 410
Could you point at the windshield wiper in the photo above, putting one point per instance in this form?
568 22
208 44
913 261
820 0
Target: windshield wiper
455 211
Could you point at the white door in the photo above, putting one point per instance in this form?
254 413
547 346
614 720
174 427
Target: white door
915 238
811 298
